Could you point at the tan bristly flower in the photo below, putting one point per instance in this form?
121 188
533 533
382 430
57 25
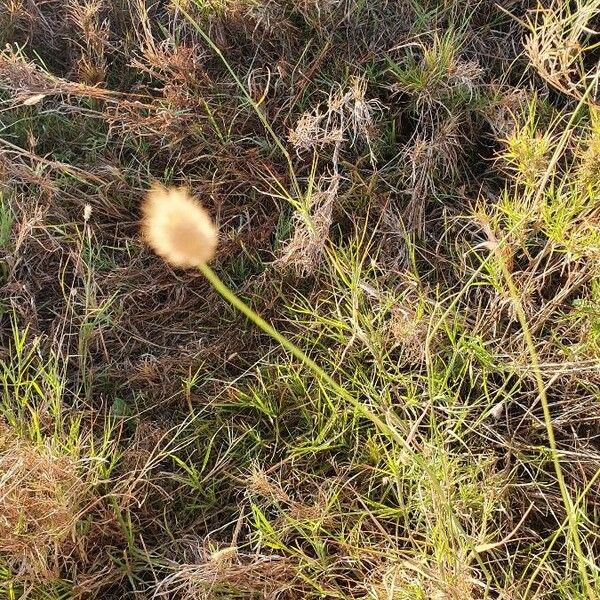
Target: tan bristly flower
177 227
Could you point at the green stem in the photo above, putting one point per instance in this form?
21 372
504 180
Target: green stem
541 387
379 423
295 351
259 112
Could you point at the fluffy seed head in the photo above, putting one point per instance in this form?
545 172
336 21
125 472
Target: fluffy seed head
177 227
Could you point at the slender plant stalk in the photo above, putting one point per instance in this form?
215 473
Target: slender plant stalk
299 354
541 387
556 534
259 112
324 377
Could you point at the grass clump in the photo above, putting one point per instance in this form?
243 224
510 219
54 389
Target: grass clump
385 385
42 497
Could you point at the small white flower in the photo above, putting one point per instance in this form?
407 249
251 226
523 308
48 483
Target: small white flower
87 212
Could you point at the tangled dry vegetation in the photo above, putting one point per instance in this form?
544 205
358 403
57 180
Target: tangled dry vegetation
410 191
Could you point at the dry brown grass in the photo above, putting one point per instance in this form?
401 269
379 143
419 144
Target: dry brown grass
561 48
403 141
227 570
42 500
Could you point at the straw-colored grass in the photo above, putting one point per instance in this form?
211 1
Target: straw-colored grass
379 379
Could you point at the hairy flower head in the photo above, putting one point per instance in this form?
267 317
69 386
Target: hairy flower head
177 227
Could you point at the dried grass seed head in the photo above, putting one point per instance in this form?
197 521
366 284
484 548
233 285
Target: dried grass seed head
177 227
